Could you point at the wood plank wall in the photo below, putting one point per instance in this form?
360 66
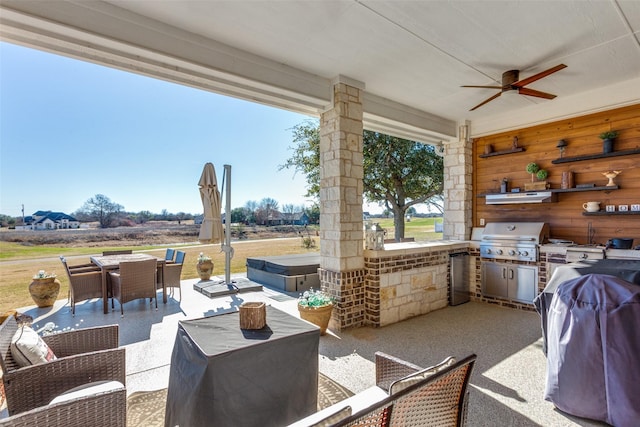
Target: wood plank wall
565 216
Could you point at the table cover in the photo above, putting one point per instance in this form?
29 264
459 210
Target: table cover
222 375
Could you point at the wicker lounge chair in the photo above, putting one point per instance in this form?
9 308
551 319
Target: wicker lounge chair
437 399
85 282
83 356
168 256
102 409
134 280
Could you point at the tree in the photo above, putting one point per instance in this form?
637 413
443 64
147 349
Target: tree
238 215
251 207
266 209
397 173
401 174
100 208
306 155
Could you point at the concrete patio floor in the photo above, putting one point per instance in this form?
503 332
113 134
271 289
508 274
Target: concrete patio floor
506 387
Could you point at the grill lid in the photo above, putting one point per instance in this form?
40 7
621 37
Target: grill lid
533 232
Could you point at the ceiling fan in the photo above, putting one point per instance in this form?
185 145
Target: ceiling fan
510 83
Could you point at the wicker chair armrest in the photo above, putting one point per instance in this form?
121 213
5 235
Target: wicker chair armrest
36 385
389 369
100 409
83 340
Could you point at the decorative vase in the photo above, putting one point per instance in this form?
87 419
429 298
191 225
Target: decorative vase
44 291
607 146
205 269
319 316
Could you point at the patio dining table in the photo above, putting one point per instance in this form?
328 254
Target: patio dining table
112 262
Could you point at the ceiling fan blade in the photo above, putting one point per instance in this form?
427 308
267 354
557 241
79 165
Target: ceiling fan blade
538 76
487 100
531 92
486 87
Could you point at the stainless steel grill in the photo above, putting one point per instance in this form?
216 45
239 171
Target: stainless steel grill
513 240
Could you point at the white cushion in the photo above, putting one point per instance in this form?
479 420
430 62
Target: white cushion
87 390
357 402
28 348
416 377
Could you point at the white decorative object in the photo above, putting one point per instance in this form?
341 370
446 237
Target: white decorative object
374 238
611 175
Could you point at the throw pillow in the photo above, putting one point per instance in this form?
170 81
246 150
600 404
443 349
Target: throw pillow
416 377
28 348
333 418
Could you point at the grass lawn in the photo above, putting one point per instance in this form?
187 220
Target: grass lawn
19 263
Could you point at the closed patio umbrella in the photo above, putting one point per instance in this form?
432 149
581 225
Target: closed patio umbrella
211 228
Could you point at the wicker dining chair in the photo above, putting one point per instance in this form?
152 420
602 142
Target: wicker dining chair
172 273
134 280
168 256
85 282
83 356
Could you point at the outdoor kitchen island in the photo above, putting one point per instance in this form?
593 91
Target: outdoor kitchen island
407 279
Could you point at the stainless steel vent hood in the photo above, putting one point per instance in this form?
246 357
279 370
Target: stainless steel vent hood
525 197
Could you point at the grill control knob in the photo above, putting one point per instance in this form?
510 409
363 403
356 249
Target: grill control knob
524 253
488 251
512 252
499 251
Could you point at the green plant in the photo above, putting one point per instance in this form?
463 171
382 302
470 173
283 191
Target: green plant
313 298
542 174
532 168
203 258
612 134
307 242
44 275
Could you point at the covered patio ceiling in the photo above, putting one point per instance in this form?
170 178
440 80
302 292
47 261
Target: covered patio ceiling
410 56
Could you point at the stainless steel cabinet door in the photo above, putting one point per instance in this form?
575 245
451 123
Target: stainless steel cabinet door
494 280
523 283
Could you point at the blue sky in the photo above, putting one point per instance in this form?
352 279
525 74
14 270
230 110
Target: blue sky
70 130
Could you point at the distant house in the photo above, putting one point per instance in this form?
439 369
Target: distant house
295 218
47 220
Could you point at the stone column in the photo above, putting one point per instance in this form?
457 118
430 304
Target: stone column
341 186
458 186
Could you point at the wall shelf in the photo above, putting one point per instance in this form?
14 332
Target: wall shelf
603 213
566 190
573 190
500 153
594 156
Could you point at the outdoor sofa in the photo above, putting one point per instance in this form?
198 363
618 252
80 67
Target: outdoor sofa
404 395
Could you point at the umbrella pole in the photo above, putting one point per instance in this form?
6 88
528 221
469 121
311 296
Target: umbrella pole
228 251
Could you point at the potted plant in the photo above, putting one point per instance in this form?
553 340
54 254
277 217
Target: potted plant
541 174
204 266
44 288
607 140
316 307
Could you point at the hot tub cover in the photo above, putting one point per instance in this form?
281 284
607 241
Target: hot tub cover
287 265
594 349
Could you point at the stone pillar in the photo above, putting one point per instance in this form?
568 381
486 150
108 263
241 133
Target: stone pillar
341 186
458 186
